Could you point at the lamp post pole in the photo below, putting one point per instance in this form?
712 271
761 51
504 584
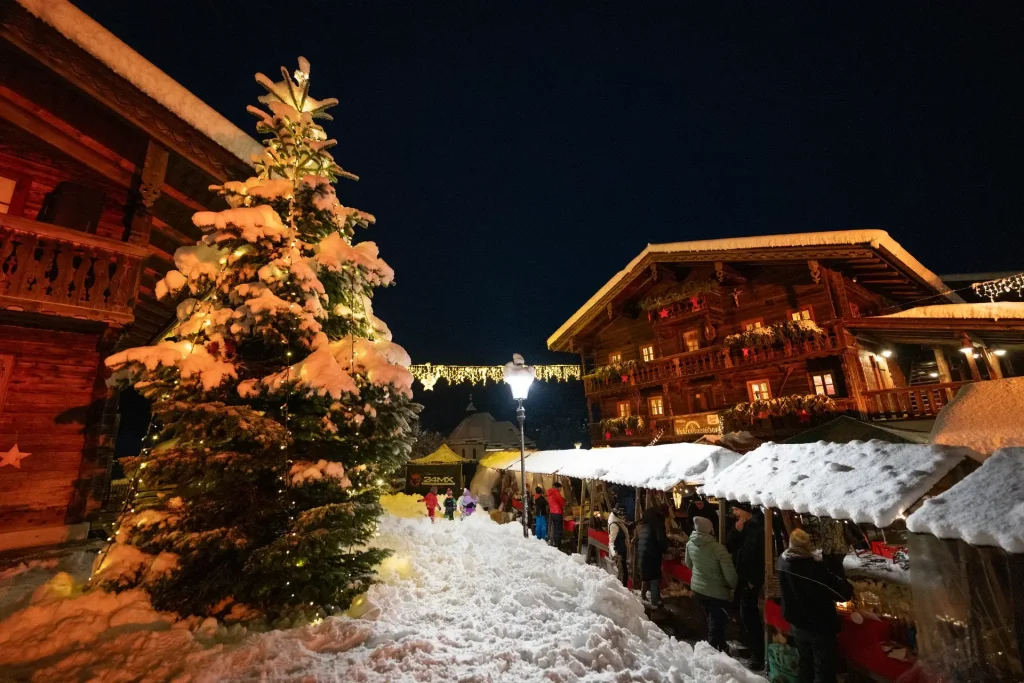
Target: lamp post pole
521 415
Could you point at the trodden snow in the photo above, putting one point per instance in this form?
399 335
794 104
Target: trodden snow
467 600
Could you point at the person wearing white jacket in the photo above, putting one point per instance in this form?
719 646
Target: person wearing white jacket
618 542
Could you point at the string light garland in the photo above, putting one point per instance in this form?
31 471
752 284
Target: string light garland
428 374
1002 285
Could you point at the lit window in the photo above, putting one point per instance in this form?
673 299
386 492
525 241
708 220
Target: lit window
614 357
656 406
759 390
755 324
623 408
823 384
7 186
691 339
648 353
802 314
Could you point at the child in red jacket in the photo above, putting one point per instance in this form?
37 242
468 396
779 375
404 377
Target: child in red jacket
431 500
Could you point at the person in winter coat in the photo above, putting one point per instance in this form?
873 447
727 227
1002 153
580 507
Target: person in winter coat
652 542
450 503
556 506
746 543
700 507
618 542
431 501
467 503
809 596
540 514
714 578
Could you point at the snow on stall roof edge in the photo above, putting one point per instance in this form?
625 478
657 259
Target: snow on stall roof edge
983 416
986 508
862 481
875 238
89 35
988 310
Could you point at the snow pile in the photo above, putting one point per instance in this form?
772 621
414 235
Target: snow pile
984 416
986 508
104 46
473 601
862 481
997 310
651 467
467 600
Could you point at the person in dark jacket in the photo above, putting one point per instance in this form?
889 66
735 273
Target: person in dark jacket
700 507
746 545
540 514
809 596
652 542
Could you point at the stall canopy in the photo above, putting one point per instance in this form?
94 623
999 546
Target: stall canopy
649 467
501 460
862 481
984 416
986 508
442 456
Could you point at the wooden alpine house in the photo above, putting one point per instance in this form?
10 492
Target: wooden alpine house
103 161
775 334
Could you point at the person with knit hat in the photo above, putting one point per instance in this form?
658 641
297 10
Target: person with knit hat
714 579
809 596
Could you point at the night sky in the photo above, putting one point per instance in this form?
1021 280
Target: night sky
517 155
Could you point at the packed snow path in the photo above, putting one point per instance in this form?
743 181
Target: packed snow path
466 601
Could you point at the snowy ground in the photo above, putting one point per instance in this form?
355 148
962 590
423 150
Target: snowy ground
466 601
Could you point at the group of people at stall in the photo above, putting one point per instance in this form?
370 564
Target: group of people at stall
548 514
732 574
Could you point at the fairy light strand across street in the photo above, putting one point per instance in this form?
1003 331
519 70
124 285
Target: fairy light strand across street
1003 285
428 374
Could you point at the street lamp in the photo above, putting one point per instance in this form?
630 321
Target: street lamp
519 376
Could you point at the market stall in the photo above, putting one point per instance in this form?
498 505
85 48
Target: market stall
967 546
861 490
442 468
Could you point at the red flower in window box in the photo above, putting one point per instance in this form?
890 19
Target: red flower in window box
803 415
629 432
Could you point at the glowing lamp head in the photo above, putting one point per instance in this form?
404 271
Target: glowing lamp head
887 353
933 374
967 350
519 376
999 352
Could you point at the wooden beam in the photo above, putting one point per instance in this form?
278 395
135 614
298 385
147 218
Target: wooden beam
50 129
152 179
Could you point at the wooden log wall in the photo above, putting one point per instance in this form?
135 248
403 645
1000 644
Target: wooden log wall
50 392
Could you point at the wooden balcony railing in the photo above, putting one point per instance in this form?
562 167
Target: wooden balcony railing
905 403
715 359
698 303
49 269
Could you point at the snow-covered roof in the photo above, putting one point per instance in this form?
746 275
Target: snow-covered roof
986 508
984 416
863 481
80 29
874 238
650 467
997 310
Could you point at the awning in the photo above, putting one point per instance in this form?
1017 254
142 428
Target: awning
442 456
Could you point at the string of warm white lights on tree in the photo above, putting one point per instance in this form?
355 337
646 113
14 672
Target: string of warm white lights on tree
1000 286
428 374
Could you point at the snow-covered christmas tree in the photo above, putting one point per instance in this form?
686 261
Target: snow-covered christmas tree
280 403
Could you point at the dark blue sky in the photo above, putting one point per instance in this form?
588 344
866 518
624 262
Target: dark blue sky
518 154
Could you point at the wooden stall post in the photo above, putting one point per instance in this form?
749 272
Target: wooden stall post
590 500
721 521
769 570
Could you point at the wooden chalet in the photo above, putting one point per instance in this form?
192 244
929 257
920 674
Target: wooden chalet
775 334
100 173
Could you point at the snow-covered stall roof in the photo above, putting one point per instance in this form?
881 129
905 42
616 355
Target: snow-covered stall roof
650 467
986 508
80 29
862 481
877 239
984 416
989 310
